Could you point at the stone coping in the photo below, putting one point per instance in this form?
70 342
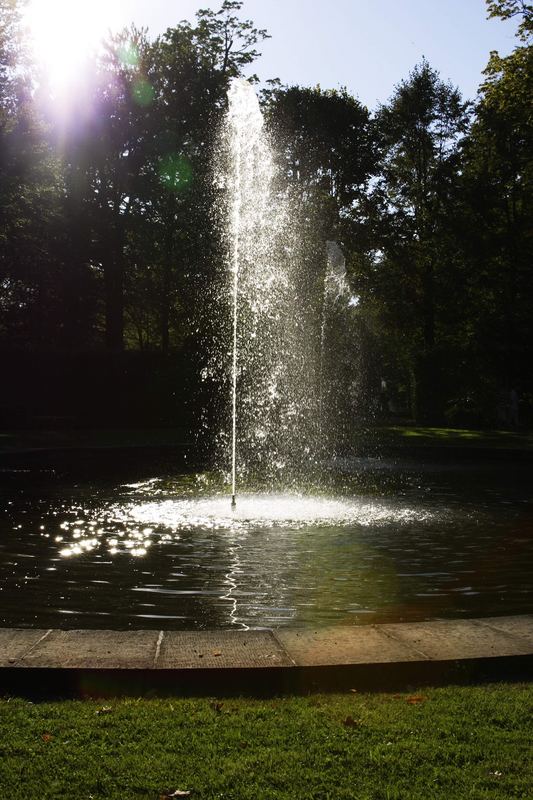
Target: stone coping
369 646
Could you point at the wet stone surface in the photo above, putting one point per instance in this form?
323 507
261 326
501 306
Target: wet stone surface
14 644
415 643
220 649
457 639
94 650
343 645
521 627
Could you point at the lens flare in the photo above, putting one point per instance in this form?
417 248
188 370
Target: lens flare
143 92
63 35
175 171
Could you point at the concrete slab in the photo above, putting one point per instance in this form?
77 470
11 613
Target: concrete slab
219 649
345 645
403 652
456 639
94 650
15 643
522 626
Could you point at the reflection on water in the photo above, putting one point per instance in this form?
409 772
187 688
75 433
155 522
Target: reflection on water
390 545
115 525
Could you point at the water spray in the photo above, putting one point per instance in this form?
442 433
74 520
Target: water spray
236 259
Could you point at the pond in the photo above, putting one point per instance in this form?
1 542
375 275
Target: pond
116 541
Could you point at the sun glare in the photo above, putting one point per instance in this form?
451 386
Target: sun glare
64 33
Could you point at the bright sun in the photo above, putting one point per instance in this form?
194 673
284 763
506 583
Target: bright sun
65 32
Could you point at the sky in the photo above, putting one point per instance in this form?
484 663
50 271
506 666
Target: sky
364 45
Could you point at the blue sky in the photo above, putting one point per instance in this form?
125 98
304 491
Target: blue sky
365 45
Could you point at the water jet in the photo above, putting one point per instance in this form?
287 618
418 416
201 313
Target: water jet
273 340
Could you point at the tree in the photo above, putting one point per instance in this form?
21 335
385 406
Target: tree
326 155
511 9
498 185
405 271
157 105
326 149
30 189
227 42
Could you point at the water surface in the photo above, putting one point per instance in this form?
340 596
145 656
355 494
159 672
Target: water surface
388 541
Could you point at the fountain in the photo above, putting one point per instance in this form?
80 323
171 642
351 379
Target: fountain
302 542
335 287
274 352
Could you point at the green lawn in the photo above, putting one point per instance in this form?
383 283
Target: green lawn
50 439
468 742
424 435
386 435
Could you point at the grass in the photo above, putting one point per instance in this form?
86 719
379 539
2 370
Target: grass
12 441
466 742
387 435
420 435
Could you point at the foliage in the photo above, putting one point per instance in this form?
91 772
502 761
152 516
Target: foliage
325 142
30 190
404 275
509 9
498 209
108 239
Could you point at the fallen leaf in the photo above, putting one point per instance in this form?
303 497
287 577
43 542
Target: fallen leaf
415 699
350 722
105 710
47 737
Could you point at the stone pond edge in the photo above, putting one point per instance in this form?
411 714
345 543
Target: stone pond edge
384 656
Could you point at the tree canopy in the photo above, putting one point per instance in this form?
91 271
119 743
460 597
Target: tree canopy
108 241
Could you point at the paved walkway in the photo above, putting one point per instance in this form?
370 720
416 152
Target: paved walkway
370 656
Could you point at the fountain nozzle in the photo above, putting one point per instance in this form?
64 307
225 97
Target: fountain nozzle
233 501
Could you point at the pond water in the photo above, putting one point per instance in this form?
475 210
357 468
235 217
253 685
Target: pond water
140 546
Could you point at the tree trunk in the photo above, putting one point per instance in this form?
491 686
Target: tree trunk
429 307
114 295
76 285
166 286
